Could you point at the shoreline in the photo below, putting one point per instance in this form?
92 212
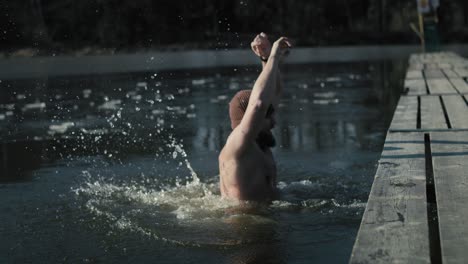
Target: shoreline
56 66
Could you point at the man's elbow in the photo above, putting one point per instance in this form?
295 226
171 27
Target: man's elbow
259 105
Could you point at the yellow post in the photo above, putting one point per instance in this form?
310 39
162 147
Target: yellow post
421 32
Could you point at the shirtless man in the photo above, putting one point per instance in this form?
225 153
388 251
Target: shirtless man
246 166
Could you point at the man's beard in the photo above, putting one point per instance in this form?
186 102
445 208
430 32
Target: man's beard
265 139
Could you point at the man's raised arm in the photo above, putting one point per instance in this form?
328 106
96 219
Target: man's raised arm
261 46
264 91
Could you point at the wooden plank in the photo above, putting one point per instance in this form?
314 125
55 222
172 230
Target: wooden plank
416 86
450 156
440 86
432 115
417 66
457 111
414 74
462 72
450 73
415 59
405 116
444 65
431 65
460 84
394 228
433 74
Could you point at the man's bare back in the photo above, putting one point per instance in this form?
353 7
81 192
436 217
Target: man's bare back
250 176
246 164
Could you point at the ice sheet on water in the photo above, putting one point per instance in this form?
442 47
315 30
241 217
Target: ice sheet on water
7 106
333 79
111 105
97 131
325 95
222 97
86 93
34 106
198 82
137 97
142 84
326 101
157 112
234 86
61 128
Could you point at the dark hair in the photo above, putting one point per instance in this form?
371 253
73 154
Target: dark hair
270 111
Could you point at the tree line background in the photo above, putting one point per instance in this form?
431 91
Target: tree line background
62 26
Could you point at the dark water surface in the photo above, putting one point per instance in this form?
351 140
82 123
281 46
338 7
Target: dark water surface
123 168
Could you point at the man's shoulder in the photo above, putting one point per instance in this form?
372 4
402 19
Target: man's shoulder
236 144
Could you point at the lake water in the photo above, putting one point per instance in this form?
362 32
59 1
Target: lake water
123 168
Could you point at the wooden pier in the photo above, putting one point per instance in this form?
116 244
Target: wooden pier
417 210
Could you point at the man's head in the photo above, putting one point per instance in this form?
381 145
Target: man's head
237 108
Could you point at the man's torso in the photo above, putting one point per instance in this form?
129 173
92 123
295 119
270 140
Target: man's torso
250 176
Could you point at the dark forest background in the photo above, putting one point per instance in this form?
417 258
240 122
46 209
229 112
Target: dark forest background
108 26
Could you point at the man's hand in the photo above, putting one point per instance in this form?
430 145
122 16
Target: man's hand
280 48
261 46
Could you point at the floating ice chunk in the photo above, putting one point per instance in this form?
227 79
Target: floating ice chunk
33 106
184 90
234 86
9 113
86 93
111 105
2 117
130 94
325 95
157 98
191 115
352 76
98 131
137 97
20 96
10 106
198 82
222 97
62 128
326 102
177 109
333 79
142 84
157 112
